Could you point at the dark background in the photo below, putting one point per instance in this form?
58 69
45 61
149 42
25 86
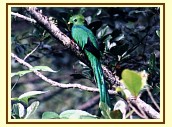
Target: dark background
127 38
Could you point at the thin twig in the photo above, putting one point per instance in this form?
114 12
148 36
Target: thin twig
89 103
143 113
31 52
153 100
56 84
152 113
15 83
23 17
136 111
129 114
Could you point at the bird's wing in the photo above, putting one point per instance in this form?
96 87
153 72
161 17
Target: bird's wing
85 39
80 36
91 48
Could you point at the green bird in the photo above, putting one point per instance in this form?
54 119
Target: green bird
88 43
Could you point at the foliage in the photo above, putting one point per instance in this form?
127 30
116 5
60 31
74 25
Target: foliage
18 109
68 114
133 81
128 38
108 114
36 68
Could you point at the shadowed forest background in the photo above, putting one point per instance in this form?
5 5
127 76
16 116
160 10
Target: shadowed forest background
128 38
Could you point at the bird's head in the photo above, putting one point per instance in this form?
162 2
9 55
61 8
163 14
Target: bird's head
77 20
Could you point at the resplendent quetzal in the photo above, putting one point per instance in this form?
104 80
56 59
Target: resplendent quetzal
87 41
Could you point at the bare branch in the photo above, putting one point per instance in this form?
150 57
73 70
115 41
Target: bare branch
23 17
153 100
67 42
89 103
31 52
56 84
152 113
136 111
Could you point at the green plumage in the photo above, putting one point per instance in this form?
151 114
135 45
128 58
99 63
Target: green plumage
85 38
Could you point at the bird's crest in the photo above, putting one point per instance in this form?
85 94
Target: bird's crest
77 19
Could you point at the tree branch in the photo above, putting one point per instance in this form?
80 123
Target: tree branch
54 83
23 17
90 103
67 42
146 108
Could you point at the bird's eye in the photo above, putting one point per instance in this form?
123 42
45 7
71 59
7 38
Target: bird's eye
75 20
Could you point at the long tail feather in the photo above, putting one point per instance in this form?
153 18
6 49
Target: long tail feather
98 73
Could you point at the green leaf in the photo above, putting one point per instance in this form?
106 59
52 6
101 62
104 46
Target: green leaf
152 62
121 92
108 114
42 68
31 109
153 69
21 110
18 110
14 99
13 74
21 73
76 114
99 11
50 115
24 97
132 81
15 109
105 110
116 114
158 33
104 31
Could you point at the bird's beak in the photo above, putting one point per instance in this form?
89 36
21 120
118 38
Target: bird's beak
69 23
